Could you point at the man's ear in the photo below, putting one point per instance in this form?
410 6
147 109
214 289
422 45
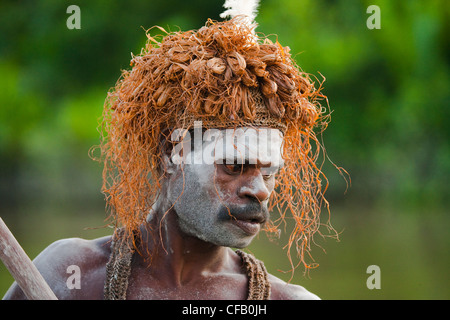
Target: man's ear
167 165
176 150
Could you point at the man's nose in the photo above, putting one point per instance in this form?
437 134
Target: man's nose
254 187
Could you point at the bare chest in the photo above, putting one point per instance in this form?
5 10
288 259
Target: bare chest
208 288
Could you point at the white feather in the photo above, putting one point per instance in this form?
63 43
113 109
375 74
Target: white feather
248 8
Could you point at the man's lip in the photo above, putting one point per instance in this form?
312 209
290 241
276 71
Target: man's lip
251 227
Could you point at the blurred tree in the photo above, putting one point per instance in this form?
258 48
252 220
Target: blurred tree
388 88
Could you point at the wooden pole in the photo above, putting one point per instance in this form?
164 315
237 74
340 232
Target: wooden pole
22 268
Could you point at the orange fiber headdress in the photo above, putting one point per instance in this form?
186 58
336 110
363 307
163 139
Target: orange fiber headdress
226 76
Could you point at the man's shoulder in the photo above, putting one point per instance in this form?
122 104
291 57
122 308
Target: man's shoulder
65 257
76 249
281 290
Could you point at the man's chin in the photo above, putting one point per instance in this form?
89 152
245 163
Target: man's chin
225 237
235 242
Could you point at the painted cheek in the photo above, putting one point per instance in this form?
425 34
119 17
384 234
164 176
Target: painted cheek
257 186
224 186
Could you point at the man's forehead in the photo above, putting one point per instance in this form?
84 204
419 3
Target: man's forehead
234 145
262 145
244 135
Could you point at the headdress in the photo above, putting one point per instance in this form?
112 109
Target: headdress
226 75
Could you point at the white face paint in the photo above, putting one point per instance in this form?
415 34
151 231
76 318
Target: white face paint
245 145
240 145
201 205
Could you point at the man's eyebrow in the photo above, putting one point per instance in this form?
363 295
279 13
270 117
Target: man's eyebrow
246 161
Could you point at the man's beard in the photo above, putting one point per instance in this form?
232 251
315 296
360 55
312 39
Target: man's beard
217 230
254 210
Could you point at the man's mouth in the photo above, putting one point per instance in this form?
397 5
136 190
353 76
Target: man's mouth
248 218
250 226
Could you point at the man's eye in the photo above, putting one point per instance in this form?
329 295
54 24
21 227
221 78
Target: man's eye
268 172
234 168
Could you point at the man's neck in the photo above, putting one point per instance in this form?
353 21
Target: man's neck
179 258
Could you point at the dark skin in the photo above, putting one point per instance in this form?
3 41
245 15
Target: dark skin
182 266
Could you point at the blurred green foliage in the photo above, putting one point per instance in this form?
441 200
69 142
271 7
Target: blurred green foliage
388 90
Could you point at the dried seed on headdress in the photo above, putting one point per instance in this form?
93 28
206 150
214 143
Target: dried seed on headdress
217 65
257 67
226 111
197 66
178 54
275 106
233 102
249 79
249 113
203 52
261 71
271 58
309 113
175 71
158 92
210 106
304 85
138 89
194 72
283 80
165 95
283 68
228 73
293 112
237 63
161 68
268 48
285 96
197 106
268 87
285 85
293 109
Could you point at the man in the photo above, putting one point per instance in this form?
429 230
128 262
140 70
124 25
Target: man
190 257
209 132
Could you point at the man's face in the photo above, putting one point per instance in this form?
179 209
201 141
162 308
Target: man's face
221 193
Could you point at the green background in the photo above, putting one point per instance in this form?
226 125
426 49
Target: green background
388 89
